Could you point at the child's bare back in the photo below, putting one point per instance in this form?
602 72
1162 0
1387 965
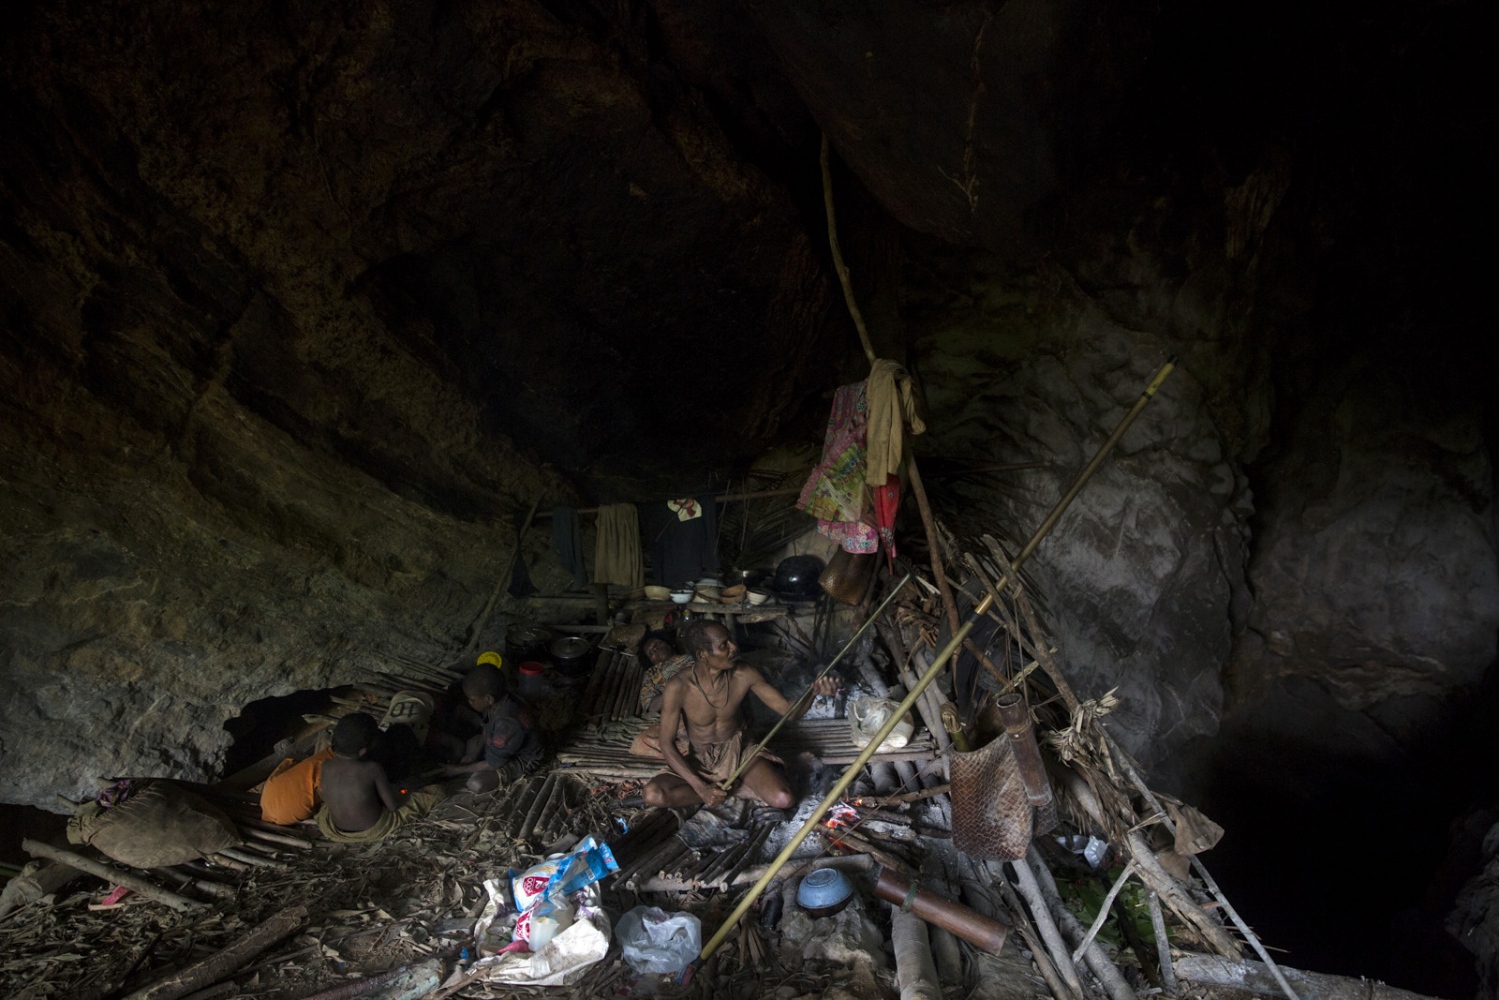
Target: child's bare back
356 793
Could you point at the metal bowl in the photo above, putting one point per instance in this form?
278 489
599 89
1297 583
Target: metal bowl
824 892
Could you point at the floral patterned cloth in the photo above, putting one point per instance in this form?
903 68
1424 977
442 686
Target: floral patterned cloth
834 492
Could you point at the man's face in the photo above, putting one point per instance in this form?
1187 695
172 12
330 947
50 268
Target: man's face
657 650
721 650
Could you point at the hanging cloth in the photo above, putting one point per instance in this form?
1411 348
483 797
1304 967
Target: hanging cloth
616 556
684 547
567 542
834 492
886 501
892 408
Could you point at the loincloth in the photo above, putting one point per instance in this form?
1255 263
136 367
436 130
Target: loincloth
417 805
717 762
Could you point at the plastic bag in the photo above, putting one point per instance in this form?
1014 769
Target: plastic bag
564 874
657 941
866 716
564 959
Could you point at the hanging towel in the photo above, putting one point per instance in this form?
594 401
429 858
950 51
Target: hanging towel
567 542
684 550
834 492
616 557
892 408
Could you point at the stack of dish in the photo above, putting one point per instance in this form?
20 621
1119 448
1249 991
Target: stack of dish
708 595
654 593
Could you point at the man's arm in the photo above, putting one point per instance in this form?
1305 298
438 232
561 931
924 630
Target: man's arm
671 723
776 702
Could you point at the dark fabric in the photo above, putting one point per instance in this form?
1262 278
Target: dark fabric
520 580
682 552
510 734
567 542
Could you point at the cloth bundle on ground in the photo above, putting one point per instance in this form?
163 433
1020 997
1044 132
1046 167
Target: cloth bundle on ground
417 805
158 823
290 794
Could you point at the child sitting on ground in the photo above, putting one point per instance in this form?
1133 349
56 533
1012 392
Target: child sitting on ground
359 804
509 747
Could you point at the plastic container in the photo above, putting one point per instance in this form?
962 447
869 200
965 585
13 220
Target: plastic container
532 682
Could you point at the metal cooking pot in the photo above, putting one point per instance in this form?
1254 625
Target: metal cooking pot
570 654
526 642
796 576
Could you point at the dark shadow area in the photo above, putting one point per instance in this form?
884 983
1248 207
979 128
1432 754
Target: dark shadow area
262 724
18 823
1349 834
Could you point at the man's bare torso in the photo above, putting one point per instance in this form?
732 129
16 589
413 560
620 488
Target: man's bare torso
711 704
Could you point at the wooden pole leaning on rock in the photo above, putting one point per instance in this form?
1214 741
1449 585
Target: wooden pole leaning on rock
226 961
502 582
113 876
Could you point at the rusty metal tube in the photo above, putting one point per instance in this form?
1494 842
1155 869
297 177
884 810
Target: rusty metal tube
1017 722
958 920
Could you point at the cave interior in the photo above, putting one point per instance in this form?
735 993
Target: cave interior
306 309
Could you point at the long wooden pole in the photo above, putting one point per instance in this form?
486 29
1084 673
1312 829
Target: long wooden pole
113 876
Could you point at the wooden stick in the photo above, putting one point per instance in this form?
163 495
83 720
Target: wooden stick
1162 943
1107 972
224 962
1103 911
259 832
1046 926
838 264
1256 978
1059 988
250 858
891 800
477 629
113 876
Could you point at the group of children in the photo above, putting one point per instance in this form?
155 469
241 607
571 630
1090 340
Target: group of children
350 791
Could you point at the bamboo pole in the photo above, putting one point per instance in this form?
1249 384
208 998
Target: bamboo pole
838 264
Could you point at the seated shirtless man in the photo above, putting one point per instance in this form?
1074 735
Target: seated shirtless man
708 695
359 803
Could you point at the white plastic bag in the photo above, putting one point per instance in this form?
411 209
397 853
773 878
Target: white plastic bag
866 716
564 959
657 941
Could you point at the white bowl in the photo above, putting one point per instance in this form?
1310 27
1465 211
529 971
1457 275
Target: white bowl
758 597
681 596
